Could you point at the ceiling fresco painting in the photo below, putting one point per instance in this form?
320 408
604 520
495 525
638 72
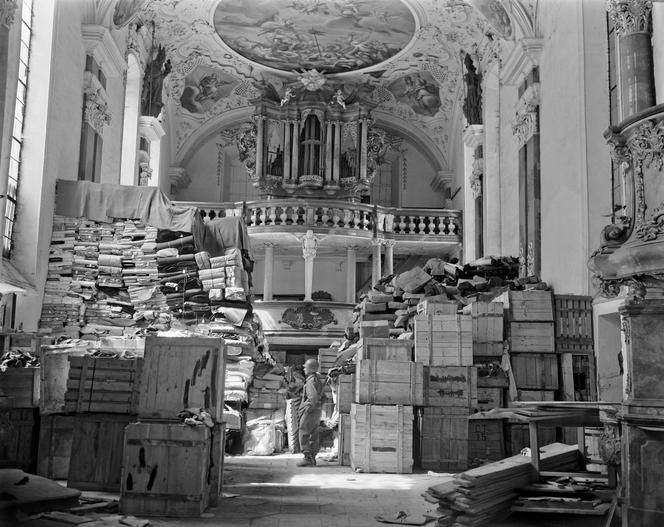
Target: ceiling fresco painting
204 86
404 56
332 37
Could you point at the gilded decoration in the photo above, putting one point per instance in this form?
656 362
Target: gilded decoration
308 317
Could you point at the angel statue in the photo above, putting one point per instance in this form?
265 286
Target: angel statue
339 99
290 93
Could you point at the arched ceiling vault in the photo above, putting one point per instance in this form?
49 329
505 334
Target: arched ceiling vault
404 56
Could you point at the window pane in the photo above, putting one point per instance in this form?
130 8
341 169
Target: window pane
16 149
25 51
13 170
18 111
20 92
18 129
26 14
22 72
11 188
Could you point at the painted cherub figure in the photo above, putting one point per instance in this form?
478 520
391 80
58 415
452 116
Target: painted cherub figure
339 99
288 95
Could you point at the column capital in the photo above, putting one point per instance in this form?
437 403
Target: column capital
473 135
352 248
389 243
309 245
376 242
630 16
269 245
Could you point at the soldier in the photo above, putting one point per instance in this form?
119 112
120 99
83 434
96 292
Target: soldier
310 413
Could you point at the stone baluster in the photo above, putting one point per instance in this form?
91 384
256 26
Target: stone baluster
402 224
422 225
335 217
325 217
254 217
272 217
411 224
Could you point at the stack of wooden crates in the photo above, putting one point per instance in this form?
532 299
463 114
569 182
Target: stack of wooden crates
170 468
444 345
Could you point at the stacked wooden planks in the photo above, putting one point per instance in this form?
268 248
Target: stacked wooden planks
483 495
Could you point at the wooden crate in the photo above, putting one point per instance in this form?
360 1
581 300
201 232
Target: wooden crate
344 439
165 470
326 358
389 382
486 439
444 340
578 377
527 306
21 386
56 433
103 385
381 438
533 371
443 439
217 455
345 392
531 337
574 324
53 386
519 436
450 386
374 329
292 425
19 438
429 307
181 373
489 398
385 349
97 444
488 330
536 395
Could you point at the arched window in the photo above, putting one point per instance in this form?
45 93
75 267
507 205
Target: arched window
132 106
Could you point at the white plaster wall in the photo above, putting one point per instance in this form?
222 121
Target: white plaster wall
202 169
509 174
418 192
329 275
112 149
52 131
570 152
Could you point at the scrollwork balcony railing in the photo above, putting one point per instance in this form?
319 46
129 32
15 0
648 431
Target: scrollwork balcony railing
284 214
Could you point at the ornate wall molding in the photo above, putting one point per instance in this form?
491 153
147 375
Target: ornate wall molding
96 112
526 123
630 16
8 12
476 177
179 178
102 46
309 245
307 317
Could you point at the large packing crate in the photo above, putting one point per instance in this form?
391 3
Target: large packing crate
574 324
487 328
527 306
535 371
21 386
165 470
444 340
430 307
486 439
381 438
374 329
578 377
489 398
326 358
450 386
19 438
389 382
103 385
531 337
536 395
53 387
344 440
443 438
385 349
180 373
345 392
56 433
96 463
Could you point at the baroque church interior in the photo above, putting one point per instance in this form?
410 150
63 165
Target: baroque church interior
346 142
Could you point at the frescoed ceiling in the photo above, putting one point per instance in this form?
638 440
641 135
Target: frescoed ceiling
405 56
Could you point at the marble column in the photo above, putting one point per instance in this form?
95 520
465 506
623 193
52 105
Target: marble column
632 22
295 151
269 272
389 256
376 274
260 134
309 246
287 152
351 272
473 136
328 152
337 152
643 412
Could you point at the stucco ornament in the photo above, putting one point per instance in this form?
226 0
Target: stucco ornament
476 178
7 11
96 112
309 245
629 16
312 80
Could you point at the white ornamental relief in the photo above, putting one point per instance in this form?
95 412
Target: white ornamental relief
8 12
629 16
96 112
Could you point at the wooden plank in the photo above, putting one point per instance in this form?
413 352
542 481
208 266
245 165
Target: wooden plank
487 320
574 324
374 329
531 337
180 373
489 398
345 392
535 371
56 434
429 307
345 439
520 438
382 438
54 374
446 386
218 454
385 349
97 443
165 470
567 377
389 382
